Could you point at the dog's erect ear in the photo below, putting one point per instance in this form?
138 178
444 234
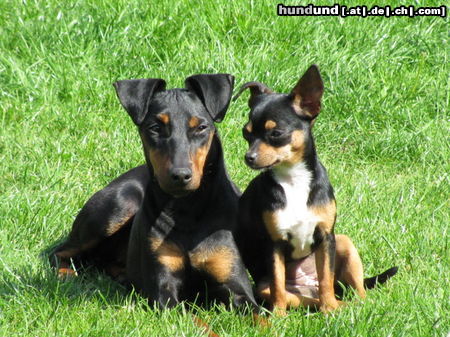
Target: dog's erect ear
307 93
214 91
135 95
256 89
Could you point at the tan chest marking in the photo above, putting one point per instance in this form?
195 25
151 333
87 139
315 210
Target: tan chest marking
326 215
168 254
271 222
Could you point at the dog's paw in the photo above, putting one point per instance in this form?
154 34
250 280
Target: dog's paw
331 306
64 273
261 321
279 312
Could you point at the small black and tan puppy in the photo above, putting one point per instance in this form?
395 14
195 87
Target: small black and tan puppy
287 214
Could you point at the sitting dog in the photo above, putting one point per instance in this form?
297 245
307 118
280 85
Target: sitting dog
166 227
287 213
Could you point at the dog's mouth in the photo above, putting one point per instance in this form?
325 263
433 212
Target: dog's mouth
181 193
265 167
177 191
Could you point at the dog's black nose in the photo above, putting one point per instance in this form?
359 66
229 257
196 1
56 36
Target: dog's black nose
181 175
250 157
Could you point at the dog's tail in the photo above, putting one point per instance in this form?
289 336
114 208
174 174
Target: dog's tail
371 282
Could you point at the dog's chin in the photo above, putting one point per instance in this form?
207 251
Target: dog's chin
179 192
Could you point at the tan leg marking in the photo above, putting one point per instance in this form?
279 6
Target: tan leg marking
115 226
349 268
325 270
168 254
72 252
278 283
325 275
217 262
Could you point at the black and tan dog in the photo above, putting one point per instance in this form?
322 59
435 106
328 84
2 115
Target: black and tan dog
166 227
287 214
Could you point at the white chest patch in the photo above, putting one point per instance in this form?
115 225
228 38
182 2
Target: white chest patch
295 222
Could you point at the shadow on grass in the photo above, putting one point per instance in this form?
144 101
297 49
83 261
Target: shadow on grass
43 282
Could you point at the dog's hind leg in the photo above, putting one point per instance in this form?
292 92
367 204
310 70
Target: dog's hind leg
349 268
94 238
101 229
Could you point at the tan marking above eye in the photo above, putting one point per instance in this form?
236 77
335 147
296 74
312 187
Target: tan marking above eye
217 262
270 124
168 254
249 127
194 122
164 118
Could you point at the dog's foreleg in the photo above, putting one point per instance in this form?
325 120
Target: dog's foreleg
278 281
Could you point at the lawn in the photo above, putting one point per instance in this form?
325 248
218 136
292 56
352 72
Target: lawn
383 135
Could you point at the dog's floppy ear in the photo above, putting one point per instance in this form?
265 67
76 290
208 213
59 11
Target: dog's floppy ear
214 91
256 89
307 93
135 95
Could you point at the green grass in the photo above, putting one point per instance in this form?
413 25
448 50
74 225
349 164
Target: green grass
383 134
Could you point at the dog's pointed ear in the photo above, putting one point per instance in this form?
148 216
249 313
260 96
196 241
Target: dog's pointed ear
256 89
135 95
214 90
307 93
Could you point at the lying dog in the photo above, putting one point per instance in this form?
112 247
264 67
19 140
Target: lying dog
287 213
166 227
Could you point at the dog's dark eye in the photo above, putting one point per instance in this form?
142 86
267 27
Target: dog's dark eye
155 128
202 127
275 134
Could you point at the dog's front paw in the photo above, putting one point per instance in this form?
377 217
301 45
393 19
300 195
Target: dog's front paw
64 273
279 311
330 306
